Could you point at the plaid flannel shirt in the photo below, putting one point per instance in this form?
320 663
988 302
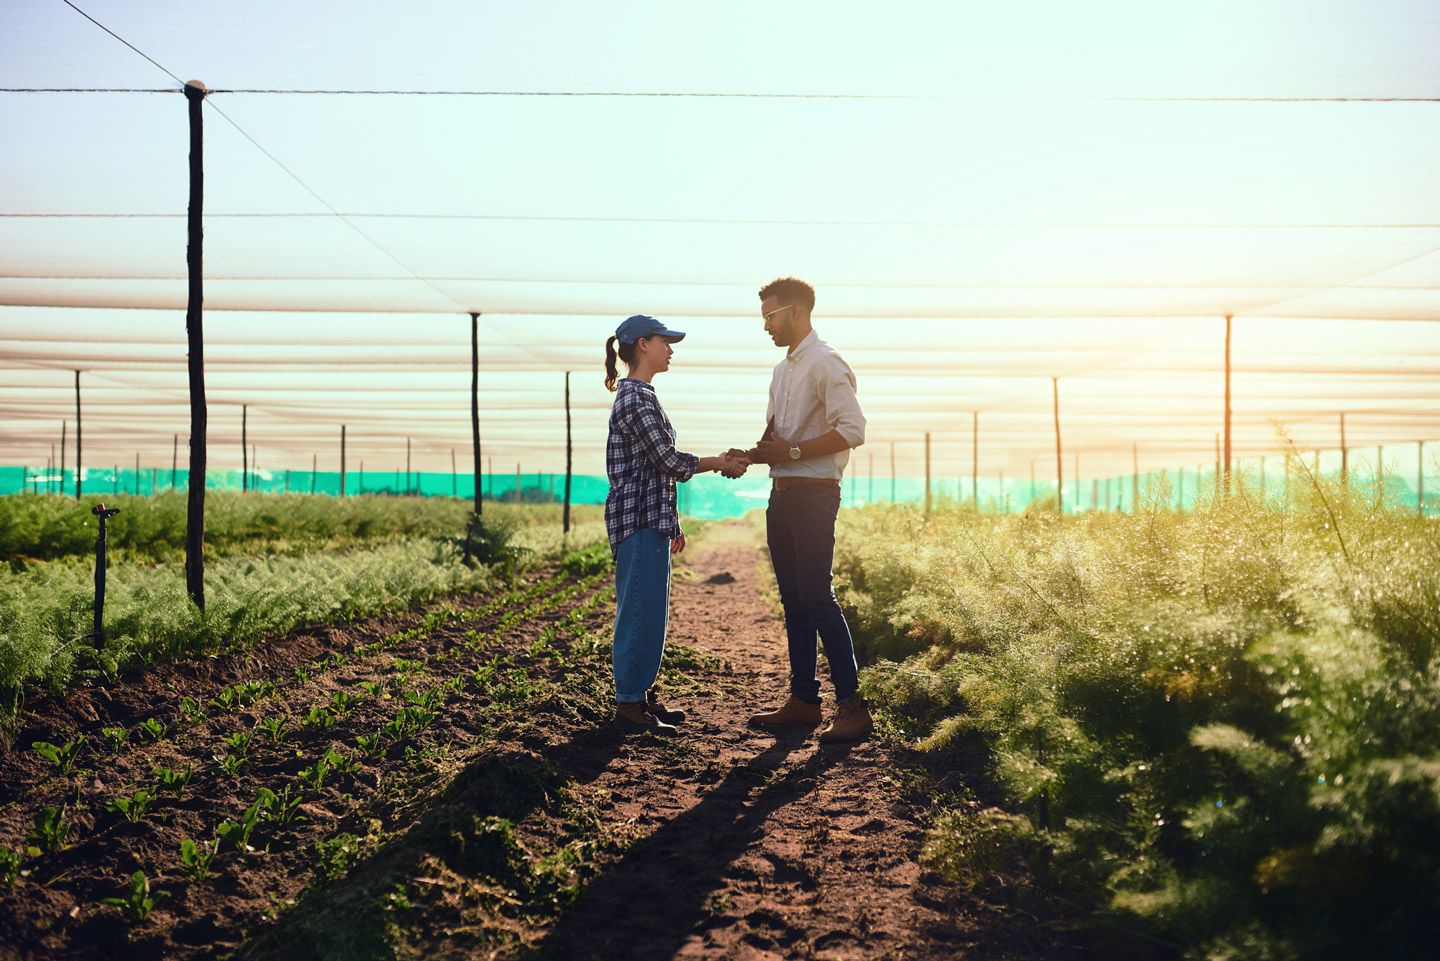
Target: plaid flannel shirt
643 465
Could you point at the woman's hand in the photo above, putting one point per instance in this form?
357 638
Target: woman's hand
677 544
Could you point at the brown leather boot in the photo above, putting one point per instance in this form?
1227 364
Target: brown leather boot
632 719
850 723
793 711
657 709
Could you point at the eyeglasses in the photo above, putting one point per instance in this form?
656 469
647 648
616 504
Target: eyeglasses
767 315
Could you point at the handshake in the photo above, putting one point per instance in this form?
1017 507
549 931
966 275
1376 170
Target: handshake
732 464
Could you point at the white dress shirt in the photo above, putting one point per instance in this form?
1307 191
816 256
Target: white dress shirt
812 393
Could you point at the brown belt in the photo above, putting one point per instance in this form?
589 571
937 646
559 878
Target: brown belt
783 483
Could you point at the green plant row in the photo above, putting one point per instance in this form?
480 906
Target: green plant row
1220 729
498 678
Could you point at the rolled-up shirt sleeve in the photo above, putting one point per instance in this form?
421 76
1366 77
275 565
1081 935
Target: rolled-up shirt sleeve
842 406
644 420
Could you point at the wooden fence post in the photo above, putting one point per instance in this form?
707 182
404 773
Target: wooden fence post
342 461
79 470
244 452
475 406
194 256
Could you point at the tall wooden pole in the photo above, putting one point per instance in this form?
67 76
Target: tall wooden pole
63 426
1059 460
314 470
454 477
1228 460
892 472
517 482
1134 477
78 427
407 465
244 449
342 461
194 329
927 472
975 458
568 453
1344 456
475 404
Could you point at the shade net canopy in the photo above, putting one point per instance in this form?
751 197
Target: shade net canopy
984 198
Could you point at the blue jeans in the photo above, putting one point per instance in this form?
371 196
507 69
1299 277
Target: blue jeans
800 527
642 610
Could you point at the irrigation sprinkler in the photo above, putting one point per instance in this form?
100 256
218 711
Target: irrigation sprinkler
104 514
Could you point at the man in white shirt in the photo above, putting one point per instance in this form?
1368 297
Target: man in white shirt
812 422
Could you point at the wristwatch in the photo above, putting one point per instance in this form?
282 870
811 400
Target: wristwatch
794 453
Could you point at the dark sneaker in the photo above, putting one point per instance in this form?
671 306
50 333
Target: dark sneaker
632 719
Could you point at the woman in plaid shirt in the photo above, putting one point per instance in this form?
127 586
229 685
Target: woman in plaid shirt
644 466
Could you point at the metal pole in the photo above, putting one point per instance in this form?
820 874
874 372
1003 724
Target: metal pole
1228 461
195 517
1059 461
79 470
244 450
63 426
927 472
342 461
1134 477
475 405
568 453
892 472
1344 456
975 458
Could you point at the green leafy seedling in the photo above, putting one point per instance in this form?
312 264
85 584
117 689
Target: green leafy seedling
50 829
133 808
151 729
190 708
196 858
171 781
239 742
139 900
286 808
375 689
115 737
10 866
276 728
230 764
62 756
369 744
224 699
341 702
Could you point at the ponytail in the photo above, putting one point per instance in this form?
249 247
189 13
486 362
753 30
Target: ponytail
610 372
614 349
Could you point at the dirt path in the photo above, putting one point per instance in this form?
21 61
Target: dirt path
760 846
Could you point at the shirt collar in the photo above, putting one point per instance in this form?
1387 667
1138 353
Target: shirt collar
637 383
805 342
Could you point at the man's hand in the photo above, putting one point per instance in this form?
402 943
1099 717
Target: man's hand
774 451
738 461
677 544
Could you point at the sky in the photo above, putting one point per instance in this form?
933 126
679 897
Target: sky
985 196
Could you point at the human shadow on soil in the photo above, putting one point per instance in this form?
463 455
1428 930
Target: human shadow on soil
464 828
648 903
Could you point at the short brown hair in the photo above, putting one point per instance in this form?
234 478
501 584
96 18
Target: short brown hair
791 290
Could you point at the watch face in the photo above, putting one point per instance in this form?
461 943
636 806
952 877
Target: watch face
794 453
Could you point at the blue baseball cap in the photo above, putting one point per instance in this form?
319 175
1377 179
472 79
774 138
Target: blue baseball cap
642 326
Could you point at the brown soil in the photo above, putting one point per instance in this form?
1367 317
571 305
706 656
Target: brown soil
725 842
